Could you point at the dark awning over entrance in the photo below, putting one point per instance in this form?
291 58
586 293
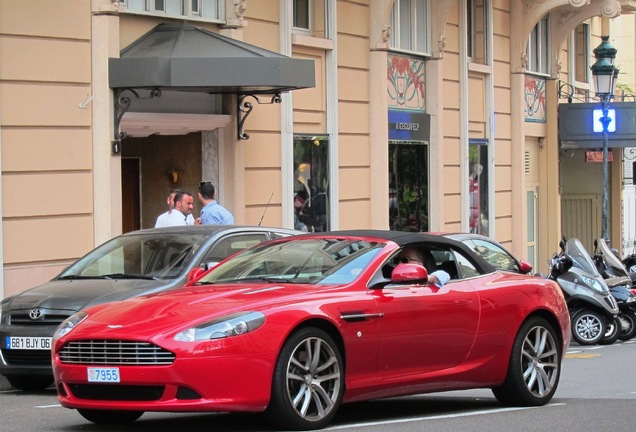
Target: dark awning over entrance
186 58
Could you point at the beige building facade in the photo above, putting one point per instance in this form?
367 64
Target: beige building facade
424 115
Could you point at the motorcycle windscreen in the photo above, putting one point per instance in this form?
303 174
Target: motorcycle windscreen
580 258
611 260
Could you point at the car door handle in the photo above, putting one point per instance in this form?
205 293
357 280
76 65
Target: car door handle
359 316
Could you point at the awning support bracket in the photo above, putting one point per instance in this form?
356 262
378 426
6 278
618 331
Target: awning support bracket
122 104
245 108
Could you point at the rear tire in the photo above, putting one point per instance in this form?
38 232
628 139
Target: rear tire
628 326
108 417
30 382
534 368
588 327
612 333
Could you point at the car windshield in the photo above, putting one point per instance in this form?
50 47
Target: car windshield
316 261
138 256
581 259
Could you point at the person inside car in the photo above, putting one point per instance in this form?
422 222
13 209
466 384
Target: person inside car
415 255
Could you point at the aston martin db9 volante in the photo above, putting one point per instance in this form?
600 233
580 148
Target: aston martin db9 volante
298 326
132 264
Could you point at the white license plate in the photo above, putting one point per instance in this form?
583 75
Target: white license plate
28 343
103 374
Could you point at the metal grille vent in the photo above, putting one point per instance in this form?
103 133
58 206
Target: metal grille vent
49 319
527 162
115 352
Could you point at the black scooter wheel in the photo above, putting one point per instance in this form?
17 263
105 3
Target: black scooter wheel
628 326
612 332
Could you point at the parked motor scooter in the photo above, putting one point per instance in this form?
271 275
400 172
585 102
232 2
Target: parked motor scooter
620 285
630 264
592 307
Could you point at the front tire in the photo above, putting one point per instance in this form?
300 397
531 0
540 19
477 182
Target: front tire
534 368
108 417
308 382
588 327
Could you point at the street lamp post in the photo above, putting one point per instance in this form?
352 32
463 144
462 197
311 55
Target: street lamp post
605 73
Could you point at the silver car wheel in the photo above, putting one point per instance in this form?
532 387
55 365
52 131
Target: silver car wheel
540 361
313 379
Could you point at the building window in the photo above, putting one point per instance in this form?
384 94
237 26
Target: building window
478 186
581 53
537 49
410 24
311 183
310 17
207 9
408 186
478 30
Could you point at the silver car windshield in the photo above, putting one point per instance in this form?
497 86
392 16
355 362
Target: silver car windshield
316 261
142 256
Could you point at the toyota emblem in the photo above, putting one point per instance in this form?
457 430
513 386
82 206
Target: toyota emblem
35 314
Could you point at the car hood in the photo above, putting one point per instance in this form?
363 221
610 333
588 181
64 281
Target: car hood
73 295
172 311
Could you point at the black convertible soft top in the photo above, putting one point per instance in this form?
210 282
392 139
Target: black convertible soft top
402 238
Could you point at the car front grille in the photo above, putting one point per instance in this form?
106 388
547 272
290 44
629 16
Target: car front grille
27 357
45 319
115 352
116 392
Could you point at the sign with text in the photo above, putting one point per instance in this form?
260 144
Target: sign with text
409 126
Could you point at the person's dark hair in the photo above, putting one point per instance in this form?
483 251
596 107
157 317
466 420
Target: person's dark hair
206 189
178 196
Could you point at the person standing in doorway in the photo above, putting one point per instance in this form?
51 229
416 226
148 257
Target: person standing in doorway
163 217
212 212
183 204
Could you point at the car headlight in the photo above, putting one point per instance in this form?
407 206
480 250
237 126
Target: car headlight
69 324
227 326
594 284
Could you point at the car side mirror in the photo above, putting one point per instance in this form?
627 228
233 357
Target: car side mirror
408 273
194 274
525 267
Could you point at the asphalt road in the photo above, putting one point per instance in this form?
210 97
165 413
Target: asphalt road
597 393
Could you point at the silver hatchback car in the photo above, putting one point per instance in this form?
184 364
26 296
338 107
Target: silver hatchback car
132 264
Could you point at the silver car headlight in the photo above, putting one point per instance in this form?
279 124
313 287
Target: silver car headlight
69 324
595 284
227 326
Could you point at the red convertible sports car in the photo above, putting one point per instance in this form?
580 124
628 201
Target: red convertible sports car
298 326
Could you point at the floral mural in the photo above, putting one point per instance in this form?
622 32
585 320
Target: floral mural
534 98
405 83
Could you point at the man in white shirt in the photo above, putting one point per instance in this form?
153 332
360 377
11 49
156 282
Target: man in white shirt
163 217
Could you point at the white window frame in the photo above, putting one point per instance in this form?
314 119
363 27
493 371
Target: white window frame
415 24
184 6
572 57
538 49
309 29
487 14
